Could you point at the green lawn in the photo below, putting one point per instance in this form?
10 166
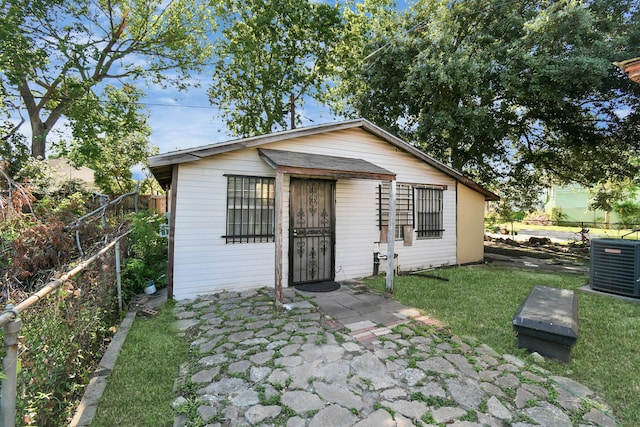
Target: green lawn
480 301
477 301
140 389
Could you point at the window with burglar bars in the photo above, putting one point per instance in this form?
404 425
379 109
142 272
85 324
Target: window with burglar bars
429 212
404 207
250 209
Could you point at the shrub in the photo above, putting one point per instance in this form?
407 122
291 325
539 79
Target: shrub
491 221
147 258
41 247
538 218
65 336
557 215
629 213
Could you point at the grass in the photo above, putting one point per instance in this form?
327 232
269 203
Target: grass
480 301
477 301
140 389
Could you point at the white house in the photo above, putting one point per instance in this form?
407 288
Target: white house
312 205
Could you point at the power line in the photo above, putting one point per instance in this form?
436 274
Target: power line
154 104
139 103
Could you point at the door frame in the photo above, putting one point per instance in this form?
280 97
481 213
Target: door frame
332 224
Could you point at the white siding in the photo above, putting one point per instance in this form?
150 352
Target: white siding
204 263
356 212
356 228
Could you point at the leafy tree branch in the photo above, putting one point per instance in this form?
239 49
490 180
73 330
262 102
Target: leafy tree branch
54 53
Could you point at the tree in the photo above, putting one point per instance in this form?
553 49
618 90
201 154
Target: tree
366 23
110 137
501 91
272 55
14 151
607 195
54 54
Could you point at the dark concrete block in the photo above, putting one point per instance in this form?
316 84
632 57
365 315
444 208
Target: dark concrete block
547 322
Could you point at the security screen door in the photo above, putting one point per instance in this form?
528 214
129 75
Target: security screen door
311 231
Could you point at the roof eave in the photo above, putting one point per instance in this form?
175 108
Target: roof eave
161 161
631 67
399 143
192 154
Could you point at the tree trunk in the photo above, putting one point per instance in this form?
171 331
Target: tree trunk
39 129
292 108
38 139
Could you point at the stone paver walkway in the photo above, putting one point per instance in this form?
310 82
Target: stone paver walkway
251 366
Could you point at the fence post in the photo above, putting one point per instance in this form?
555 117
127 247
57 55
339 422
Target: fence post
118 278
10 369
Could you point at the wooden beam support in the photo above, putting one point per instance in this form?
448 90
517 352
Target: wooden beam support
172 229
391 237
279 218
335 174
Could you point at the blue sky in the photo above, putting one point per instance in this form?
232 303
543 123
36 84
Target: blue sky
186 119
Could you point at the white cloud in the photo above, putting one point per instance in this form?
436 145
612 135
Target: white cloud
182 120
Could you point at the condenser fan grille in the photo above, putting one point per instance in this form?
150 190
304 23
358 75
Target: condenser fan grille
615 266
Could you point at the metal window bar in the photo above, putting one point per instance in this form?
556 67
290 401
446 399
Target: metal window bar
430 202
379 207
257 228
413 208
250 209
404 207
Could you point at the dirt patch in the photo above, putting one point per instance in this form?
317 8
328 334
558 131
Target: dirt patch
537 253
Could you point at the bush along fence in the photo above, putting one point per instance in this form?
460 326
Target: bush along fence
582 229
102 213
43 373
586 224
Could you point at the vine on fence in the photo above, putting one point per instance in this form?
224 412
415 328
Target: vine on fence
40 247
64 338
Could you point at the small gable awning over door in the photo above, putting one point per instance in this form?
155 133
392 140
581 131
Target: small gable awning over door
289 162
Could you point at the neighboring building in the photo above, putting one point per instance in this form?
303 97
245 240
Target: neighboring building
310 205
573 202
63 169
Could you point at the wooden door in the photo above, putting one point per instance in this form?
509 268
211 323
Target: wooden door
311 231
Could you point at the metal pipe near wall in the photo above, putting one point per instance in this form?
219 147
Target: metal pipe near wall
10 370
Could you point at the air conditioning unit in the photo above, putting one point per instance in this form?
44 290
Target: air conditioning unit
615 266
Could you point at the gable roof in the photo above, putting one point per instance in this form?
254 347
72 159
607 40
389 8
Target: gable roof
161 165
